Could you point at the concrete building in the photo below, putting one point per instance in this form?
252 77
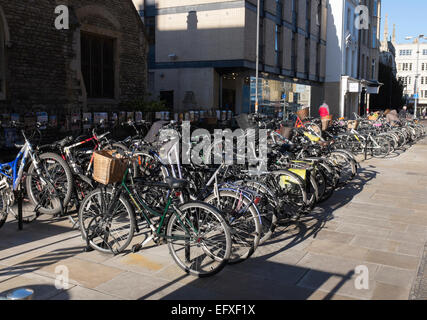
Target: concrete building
93 66
406 60
352 55
203 52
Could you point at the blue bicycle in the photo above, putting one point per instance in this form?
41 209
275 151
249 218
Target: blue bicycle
48 181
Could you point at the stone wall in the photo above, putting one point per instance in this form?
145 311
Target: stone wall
43 63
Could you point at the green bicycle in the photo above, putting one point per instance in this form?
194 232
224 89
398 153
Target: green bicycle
197 235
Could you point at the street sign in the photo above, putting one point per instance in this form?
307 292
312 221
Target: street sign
283 96
416 96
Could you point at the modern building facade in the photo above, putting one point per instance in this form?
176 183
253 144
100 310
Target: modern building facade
352 55
407 70
96 64
203 52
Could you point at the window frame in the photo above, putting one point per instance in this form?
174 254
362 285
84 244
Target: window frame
102 67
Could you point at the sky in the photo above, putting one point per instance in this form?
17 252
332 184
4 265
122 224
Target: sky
410 17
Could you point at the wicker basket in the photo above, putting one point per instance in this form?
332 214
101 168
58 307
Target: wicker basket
353 124
303 113
108 168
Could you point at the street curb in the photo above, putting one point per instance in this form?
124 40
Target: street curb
419 286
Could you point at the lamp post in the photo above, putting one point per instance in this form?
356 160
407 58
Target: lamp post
257 56
419 38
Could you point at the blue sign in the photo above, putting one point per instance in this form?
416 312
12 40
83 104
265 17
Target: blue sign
283 96
416 96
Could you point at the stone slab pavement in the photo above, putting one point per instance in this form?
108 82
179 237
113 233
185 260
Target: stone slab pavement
366 242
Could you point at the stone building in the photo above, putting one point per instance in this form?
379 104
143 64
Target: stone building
352 55
203 52
96 64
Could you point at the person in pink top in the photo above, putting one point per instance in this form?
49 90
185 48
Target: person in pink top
324 110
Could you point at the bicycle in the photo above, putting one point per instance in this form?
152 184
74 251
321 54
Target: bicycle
48 181
197 235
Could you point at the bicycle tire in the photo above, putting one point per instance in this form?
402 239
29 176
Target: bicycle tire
186 263
31 191
88 216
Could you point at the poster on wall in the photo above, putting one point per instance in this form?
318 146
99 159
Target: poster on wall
87 120
130 116
122 117
100 117
138 116
10 136
114 119
43 119
5 120
75 122
53 121
15 117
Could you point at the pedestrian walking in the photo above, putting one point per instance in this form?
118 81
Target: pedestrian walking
403 113
324 110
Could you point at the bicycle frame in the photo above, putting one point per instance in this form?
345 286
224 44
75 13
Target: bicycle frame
17 166
143 208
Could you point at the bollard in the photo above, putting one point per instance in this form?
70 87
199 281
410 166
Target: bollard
21 294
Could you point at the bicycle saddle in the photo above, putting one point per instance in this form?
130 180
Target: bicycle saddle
170 183
174 183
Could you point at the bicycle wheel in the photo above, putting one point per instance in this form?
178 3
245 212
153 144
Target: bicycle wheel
243 220
107 233
345 166
290 191
199 239
381 148
267 207
52 190
3 208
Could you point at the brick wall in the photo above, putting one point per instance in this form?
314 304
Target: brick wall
42 68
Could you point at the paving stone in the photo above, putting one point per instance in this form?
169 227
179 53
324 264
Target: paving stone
392 259
375 243
43 287
337 249
394 276
411 237
334 236
86 273
81 293
410 249
364 231
390 292
129 285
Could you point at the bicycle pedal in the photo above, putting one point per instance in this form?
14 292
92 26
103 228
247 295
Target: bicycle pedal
136 248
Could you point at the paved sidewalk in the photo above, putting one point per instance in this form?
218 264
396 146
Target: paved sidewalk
378 221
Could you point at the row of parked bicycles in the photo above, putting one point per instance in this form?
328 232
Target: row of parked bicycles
209 215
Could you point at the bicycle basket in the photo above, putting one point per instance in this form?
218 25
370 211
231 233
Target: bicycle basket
107 167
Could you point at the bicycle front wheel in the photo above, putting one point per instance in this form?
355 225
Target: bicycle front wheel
107 233
52 190
199 239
